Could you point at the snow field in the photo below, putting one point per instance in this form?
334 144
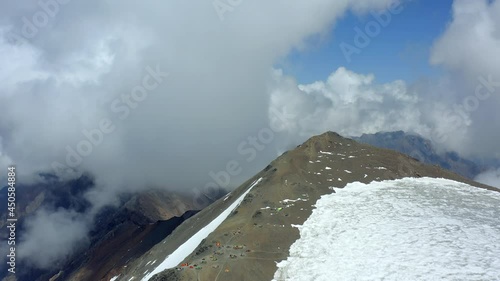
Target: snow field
408 229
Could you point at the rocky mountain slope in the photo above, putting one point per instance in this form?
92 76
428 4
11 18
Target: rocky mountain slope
259 232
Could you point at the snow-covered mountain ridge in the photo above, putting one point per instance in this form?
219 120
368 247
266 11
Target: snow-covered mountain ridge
258 233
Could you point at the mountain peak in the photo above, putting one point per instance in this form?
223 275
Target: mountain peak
328 141
261 229
327 136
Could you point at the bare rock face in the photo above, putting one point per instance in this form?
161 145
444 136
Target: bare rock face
259 233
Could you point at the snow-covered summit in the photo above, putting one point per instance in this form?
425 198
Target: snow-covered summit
408 229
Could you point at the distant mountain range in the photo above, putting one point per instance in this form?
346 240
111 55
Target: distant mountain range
423 150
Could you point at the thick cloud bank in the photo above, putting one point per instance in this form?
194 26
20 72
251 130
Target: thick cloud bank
162 93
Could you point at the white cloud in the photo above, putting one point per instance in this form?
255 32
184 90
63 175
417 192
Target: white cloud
458 110
51 235
471 42
491 178
64 79
4 159
347 102
469 50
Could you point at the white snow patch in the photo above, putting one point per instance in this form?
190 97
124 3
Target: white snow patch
114 278
352 156
365 176
311 162
328 168
339 179
190 245
325 152
292 200
347 171
380 168
408 229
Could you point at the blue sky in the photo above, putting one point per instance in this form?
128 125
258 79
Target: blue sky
400 51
